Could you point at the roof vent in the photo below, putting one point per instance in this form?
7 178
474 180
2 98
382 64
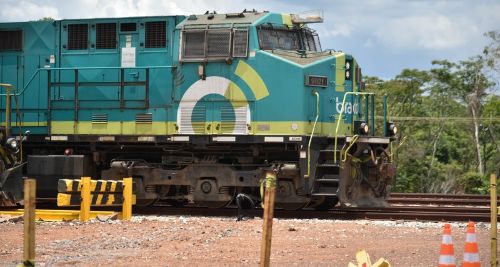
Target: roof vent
235 15
192 17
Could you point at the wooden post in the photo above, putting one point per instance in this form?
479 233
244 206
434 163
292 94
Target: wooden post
127 199
267 225
86 199
494 214
29 222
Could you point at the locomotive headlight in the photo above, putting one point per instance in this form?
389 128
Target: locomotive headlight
347 74
361 127
364 127
12 145
347 65
391 129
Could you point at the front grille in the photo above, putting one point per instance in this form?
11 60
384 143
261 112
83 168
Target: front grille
78 36
156 34
106 36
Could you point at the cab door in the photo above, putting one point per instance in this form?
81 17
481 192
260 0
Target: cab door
134 96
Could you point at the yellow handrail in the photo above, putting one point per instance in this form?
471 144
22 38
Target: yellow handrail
312 134
7 107
340 118
353 141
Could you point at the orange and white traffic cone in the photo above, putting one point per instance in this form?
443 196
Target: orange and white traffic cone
447 254
471 251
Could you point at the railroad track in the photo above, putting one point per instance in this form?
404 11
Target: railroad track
425 207
388 213
439 199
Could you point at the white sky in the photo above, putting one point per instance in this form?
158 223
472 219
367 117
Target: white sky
385 35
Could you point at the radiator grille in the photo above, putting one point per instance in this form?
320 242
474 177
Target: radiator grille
11 40
240 43
156 34
100 118
144 118
194 44
106 36
78 36
128 27
219 43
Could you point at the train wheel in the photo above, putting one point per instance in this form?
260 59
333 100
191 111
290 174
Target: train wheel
287 198
326 203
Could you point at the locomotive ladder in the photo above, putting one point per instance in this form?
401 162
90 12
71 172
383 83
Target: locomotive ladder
327 174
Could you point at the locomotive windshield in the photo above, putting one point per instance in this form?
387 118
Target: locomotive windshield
288 39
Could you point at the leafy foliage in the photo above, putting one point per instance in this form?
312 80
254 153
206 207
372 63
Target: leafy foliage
450 116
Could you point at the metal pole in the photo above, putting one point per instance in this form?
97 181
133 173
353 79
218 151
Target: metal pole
7 111
127 199
494 214
29 222
267 226
86 200
385 115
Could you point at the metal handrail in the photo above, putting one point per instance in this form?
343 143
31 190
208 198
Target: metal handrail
84 68
340 118
312 135
7 107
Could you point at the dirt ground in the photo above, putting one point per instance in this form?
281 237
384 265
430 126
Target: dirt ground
213 241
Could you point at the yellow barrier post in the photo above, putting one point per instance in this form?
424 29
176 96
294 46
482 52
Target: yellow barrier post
127 199
269 196
29 222
494 214
86 200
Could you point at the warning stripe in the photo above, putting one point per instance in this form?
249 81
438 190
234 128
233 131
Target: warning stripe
470 238
447 240
446 259
73 200
103 186
471 257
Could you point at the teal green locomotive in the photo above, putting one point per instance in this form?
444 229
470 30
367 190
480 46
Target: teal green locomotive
195 108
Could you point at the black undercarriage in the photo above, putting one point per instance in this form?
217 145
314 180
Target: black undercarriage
208 171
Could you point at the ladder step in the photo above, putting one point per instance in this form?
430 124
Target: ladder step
319 194
328 165
328 180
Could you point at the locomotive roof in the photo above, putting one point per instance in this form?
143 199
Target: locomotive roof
307 57
228 18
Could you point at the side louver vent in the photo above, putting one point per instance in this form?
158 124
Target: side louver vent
196 120
234 121
100 118
144 118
